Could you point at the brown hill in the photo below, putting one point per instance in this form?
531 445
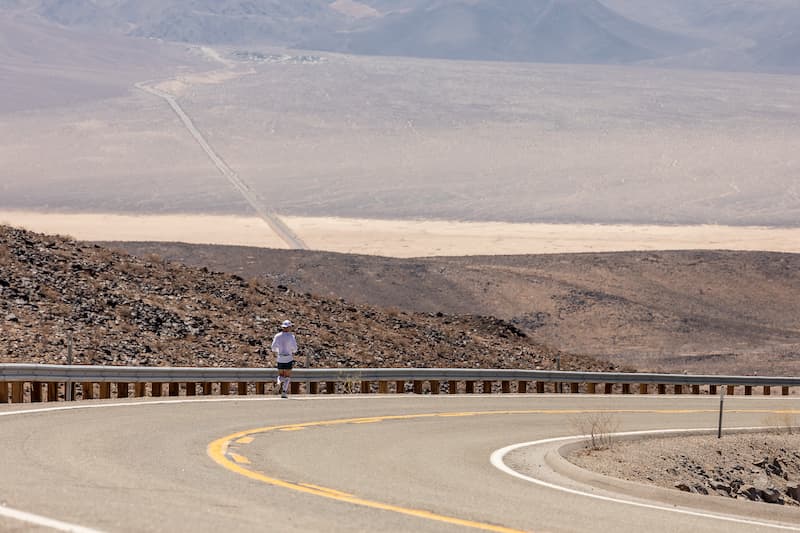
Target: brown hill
696 311
126 310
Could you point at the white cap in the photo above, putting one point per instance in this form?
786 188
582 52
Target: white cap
286 324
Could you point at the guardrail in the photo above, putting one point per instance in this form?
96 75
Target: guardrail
37 383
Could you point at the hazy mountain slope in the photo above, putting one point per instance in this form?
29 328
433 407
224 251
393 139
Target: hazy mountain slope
124 310
43 64
566 31
722 312
199 21
755 35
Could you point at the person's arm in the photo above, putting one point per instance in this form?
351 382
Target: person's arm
275 345
293 345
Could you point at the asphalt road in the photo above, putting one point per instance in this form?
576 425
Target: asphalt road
378 463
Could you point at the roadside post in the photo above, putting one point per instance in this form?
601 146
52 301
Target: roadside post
68 384
721 402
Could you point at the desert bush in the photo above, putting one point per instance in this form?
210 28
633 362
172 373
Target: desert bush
599 427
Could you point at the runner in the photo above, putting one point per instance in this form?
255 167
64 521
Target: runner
285 345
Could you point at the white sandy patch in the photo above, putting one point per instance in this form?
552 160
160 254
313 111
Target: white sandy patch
407 238
404 238
195 229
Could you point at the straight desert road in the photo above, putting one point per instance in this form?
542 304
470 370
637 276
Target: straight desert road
341 463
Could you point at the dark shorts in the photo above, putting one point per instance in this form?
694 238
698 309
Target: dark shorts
286 366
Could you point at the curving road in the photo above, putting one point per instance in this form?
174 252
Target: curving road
387 463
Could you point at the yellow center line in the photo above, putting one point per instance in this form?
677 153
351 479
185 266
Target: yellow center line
218 451
245 440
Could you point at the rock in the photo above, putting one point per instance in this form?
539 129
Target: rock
770 495
11 317
793 491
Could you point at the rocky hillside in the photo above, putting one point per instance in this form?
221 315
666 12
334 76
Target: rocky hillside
714 312
126 310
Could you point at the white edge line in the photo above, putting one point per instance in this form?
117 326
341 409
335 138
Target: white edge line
30 518
498 456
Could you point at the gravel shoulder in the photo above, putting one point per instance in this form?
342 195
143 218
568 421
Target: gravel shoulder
760 467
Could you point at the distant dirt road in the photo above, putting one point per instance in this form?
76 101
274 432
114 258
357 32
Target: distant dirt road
389 463
257 203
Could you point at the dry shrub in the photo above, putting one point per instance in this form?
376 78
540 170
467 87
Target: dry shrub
599 427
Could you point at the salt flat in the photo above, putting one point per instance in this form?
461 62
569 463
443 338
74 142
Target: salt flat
407 238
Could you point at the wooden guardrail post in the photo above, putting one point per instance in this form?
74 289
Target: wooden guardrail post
591 388
608 388
3 392
122 390
294 387
695 389
678 389
487 387
174 389
365 387
626 388
208 388
522 387
540 387
417 387
400 387
330 387
662 389
470 387
156 389
52 391
767 390
87 390
712 390
505 386
731 390
224 388
785 391
748 390
452 387
574 388
191 388
383 387
105 390
17 392
241 388
643 388
313 387
139 390
434 386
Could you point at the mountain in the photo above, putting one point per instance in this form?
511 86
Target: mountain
199 21
129 311
749 35
559 31
756 35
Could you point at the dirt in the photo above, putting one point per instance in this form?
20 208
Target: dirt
761 467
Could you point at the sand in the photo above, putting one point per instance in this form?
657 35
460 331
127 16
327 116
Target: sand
407 238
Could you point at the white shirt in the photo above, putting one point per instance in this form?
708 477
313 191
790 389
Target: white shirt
285 345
